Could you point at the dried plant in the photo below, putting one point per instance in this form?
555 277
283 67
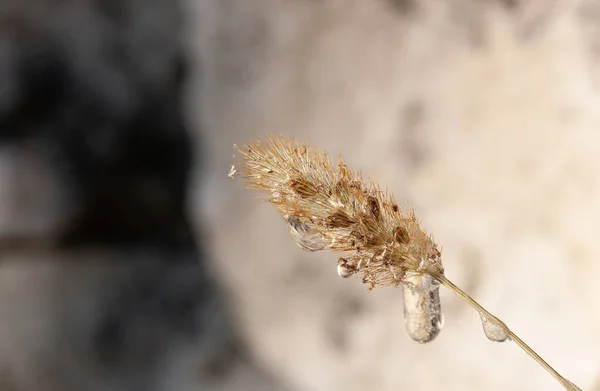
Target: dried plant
327 206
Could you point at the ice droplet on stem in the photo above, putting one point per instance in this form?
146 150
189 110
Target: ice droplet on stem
492 329
422 309
305 236
344 270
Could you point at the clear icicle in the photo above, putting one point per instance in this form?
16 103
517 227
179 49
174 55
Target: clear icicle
422 309
493 331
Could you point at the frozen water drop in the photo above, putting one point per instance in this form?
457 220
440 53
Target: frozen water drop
305 235
422 308
344 271
493 330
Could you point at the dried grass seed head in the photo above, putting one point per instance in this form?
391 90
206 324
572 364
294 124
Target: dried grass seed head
330 207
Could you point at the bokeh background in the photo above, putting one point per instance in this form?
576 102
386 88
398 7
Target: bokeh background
153 270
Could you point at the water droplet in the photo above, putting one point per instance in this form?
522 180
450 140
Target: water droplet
344 270
422 308
493 330
305 236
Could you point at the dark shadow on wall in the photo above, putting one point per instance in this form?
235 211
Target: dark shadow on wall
103 285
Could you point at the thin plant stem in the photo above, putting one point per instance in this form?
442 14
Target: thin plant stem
473 303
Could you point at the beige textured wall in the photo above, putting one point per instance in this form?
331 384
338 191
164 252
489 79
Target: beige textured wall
482 116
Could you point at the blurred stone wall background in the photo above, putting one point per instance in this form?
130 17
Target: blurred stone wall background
483 116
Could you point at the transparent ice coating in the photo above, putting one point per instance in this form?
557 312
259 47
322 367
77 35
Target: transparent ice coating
304 235
344 271
493 331
423 316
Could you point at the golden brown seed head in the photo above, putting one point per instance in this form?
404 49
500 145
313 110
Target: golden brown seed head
329 206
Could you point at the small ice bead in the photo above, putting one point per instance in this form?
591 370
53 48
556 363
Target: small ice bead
305 236
493 330
422 308
344 271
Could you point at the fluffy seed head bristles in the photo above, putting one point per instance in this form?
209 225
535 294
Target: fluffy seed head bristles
328 206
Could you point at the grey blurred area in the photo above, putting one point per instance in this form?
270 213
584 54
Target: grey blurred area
106 281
